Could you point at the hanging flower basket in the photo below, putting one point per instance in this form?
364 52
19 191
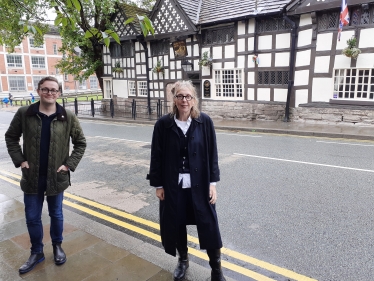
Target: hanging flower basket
206 60
158 68
255 59
351 50
117 68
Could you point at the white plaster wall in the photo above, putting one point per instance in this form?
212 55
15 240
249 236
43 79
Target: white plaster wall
341 61
305 38
216 65
241 45
366 38
263 94
172 75
283 41
171 53
172 65
303 58
188 50
196 50
196 65
251 41
178 64
132 73
251 26
365 60
345 35
240 61
229 51
301 96
205 71
120 88
305 20
241 28
144 71
217 52
156 85
166 60
166 74
280 95
282 59
324 42
265 60
264 42
137 57
142 56
322 64
301 77
322 89
251 94
138 70
137 46
251 78
229 65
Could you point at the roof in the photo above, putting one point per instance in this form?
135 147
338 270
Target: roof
132 11
297 7
214 11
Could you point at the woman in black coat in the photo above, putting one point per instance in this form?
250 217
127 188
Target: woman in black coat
184 169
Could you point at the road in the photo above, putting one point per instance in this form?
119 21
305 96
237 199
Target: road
290 208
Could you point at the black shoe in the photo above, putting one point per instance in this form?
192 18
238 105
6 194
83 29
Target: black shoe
215 264
59 254
33 260
180 270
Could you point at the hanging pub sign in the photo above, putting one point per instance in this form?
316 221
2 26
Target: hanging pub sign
180 49
206 89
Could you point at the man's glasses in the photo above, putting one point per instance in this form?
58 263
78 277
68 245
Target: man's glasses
45 91
187 97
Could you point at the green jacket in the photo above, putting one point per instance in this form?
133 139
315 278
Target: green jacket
64 126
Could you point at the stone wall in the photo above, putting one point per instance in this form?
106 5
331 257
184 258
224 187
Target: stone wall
244 110
332 113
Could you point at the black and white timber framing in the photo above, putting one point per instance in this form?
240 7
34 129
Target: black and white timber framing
257 71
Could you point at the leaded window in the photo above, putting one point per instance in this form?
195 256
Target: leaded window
17 83
132 88
272 24
115 50
127 49
328 20
272 77
14 60
354 84
218 36
160 47
229 83
142 88
38 62
362 15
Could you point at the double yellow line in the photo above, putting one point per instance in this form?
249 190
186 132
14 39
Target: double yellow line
244 258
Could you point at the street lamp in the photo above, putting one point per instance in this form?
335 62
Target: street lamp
187 66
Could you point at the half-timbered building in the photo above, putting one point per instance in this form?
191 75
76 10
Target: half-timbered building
266 60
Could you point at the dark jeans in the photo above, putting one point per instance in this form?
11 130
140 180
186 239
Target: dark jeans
33 211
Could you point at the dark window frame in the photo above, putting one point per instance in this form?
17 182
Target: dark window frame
159 48
218 36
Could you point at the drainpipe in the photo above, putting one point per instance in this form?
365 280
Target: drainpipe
144 44
292 67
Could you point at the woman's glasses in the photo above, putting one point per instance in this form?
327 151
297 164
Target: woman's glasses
45 91
187 97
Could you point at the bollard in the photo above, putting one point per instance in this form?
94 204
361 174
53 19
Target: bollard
111 108
63 103
93 107
76 106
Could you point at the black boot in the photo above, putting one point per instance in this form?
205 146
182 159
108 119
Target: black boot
59 254
33 260
215 264
183 264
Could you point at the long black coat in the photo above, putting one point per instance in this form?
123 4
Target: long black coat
164 171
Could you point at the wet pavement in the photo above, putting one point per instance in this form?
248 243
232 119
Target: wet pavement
98 252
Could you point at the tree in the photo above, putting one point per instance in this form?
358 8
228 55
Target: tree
84 26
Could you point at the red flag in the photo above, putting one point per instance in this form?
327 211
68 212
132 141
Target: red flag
344 17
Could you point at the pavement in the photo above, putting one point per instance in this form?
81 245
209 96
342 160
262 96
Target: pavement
99 252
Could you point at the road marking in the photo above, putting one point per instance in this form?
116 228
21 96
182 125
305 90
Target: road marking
307 163
344 143
100 137
107 123
156 237
237 135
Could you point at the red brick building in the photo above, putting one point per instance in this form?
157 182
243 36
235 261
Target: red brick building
22 70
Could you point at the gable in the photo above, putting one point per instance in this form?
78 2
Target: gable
169 18
120 28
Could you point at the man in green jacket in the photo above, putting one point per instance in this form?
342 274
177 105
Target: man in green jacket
44 158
